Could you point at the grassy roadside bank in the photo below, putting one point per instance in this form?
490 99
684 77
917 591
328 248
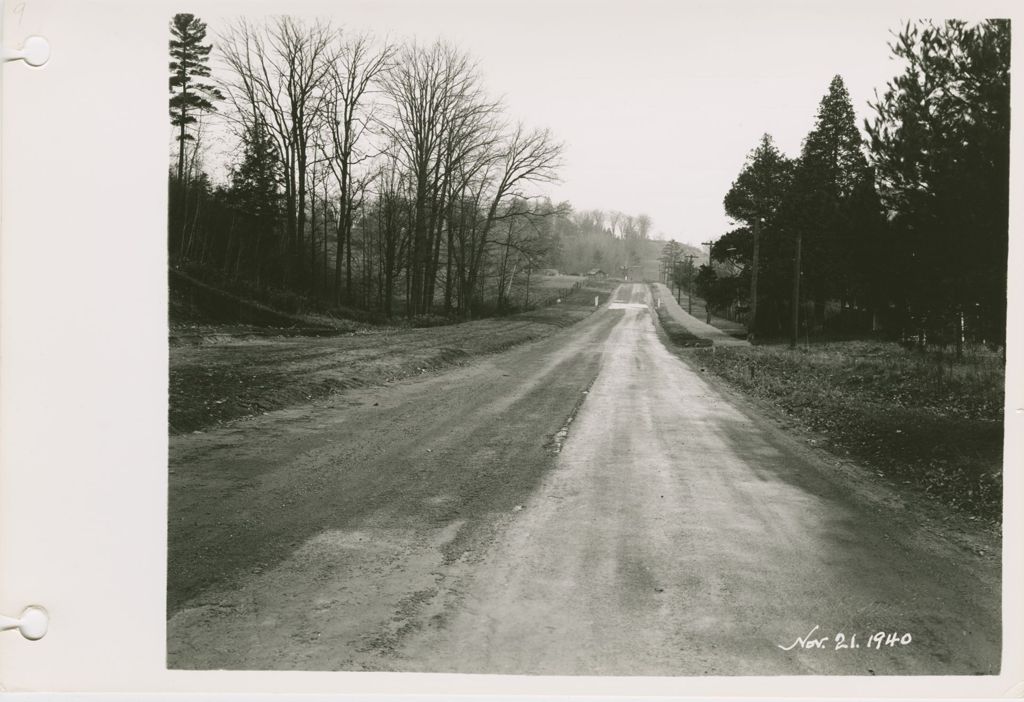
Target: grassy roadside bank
243 375
677 333
922 424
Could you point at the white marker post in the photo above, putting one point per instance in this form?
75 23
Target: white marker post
596 298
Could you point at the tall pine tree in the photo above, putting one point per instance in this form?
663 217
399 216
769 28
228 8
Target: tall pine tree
256 197
754 199
819 212
189 58
940 144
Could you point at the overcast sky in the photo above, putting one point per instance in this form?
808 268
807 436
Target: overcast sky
658 103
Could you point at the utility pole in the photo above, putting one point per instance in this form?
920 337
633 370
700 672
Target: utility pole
707 303
689 283
709 244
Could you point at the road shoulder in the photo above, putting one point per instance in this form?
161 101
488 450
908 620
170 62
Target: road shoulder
924 521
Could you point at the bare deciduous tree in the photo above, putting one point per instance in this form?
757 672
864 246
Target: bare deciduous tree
526 157
277 74
348 115
438 112
398 148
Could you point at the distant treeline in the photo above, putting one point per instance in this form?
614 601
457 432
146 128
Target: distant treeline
368 175
905 232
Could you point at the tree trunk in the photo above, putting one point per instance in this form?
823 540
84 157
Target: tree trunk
345 217
755 264
290 234
348 257
181 132
796 295
256 253
339 249
326 219
312 236
448 272
435 260
301 219
417 259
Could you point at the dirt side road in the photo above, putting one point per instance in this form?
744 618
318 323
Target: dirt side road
446 528
691 323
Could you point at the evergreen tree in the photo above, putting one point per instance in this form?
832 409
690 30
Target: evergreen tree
760 186
189 58
866 271
754 199
256 196
735 247
940 144
822 205
255 180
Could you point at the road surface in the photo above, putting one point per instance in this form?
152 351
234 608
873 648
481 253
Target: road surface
586 504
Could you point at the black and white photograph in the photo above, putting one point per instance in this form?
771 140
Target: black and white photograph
586 339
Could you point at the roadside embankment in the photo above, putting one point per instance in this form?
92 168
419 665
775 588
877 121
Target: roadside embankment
231 375
921 422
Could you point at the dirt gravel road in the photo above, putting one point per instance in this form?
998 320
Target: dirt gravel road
477 522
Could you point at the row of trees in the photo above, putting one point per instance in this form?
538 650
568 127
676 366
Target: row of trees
906 230
368 174
613 242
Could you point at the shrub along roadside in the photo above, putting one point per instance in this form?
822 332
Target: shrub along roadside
916 420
